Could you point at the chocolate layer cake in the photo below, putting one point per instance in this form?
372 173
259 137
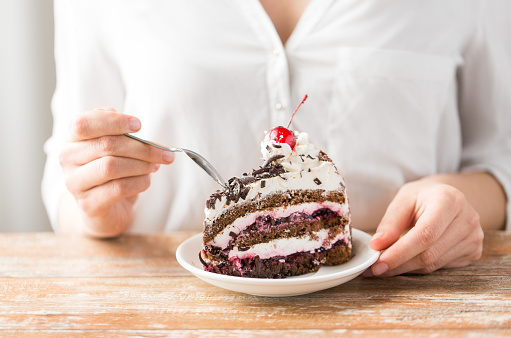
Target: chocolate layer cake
287 218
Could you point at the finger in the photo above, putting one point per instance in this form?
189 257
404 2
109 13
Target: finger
436 216
450 246
415 266
104 170
98 200
475 250
100 122
463 253
132 199
397 218
83 152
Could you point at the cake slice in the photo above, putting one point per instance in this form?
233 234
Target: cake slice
286 218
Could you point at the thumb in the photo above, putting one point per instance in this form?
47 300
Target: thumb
395 221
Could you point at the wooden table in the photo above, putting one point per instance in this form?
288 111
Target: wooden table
133 286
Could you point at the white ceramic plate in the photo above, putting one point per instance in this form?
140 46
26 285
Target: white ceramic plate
326 277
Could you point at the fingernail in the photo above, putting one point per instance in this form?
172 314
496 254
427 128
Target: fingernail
380 269
156 167
134 124
168 156
377 235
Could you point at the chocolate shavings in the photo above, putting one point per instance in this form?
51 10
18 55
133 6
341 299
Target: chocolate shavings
272 159
244 193
260 171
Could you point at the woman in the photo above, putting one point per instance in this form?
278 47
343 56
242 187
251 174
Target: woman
408 97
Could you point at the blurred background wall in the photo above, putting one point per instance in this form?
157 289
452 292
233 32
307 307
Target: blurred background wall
27 82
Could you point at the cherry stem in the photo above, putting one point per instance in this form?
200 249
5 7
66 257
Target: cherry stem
291 119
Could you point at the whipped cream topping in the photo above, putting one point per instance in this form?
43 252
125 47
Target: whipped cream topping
302 157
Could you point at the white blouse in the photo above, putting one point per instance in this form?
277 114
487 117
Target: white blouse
398 90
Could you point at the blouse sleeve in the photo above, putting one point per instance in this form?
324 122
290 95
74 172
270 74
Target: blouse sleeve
87 78
485 97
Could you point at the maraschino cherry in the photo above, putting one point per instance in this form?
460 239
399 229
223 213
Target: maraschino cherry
281 135
284 135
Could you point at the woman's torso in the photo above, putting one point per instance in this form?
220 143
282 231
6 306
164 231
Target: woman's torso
212 76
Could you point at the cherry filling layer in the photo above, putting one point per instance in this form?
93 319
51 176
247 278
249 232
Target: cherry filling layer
265 223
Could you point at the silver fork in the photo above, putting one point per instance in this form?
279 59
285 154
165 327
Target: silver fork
201 161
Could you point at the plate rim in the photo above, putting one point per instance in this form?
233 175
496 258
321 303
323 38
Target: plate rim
356 233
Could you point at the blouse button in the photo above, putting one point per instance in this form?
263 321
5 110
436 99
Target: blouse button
276 52
278 106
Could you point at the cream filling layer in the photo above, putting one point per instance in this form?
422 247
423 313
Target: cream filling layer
223 238
289 246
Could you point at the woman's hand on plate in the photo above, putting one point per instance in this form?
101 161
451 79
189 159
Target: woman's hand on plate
442 231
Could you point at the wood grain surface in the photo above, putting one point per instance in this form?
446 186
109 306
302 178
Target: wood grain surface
52 286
